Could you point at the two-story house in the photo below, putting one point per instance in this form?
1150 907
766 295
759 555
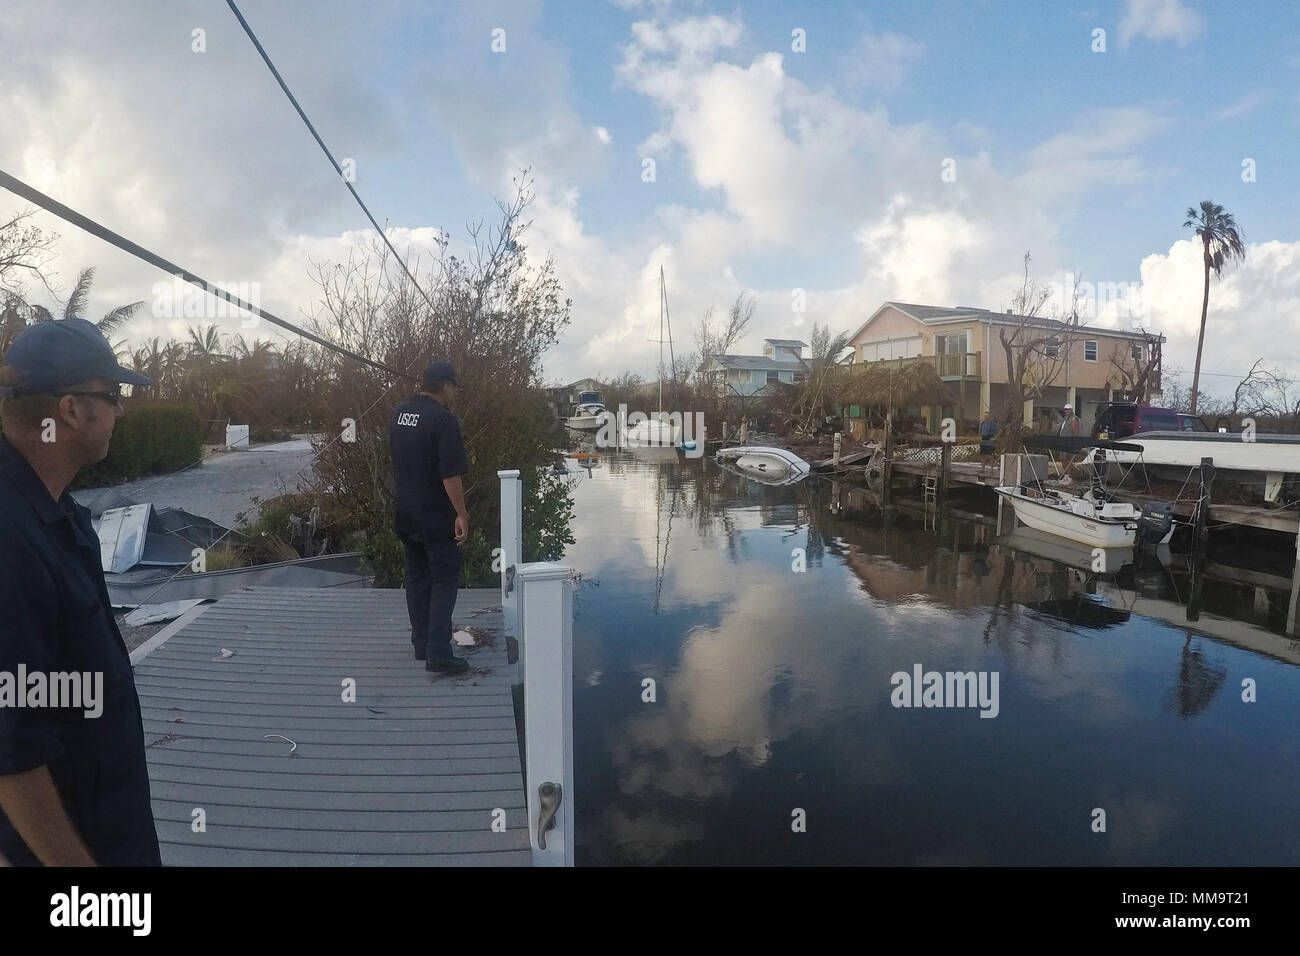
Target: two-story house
1077 363
782 361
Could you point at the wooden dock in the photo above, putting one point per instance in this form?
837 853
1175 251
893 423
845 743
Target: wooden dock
959 472
246 720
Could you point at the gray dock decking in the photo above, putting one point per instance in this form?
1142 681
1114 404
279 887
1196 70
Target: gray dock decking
409 774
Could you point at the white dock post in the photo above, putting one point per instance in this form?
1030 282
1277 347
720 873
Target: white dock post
512 547
547 654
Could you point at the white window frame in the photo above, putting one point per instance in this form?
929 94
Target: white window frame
1093 343
1052 347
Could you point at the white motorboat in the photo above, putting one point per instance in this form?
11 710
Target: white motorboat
1269 460
588 412
764 460
1090 518
1085 518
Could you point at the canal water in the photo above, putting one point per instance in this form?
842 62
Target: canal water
736 648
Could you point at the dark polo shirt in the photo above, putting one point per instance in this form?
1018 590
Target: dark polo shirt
427 447
57 619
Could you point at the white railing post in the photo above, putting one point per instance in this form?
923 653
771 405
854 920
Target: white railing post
547 654
512 547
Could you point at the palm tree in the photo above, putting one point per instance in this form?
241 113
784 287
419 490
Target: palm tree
1221 243
821 366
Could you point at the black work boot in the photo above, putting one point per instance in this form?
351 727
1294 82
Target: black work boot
446 665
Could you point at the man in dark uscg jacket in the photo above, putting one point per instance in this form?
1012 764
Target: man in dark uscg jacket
74 786
431 521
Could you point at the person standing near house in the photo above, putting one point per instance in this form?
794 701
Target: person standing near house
1070 423
431 520
988 431
74 786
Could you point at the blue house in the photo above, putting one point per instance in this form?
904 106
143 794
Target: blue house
782 361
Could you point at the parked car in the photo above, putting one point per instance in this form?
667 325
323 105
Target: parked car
1120 420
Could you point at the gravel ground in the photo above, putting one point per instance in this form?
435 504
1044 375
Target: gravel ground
221 487
135 636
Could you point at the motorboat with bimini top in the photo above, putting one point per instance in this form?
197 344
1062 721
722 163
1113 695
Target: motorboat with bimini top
1092 518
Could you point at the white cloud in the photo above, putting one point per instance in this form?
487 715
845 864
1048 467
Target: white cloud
881 60
1159 20
1254 309
1247 104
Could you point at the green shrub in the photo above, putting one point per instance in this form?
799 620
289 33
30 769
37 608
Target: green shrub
152 438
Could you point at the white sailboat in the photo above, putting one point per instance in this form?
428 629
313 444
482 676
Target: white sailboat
659 431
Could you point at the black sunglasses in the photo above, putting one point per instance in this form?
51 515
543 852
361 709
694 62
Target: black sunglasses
113 398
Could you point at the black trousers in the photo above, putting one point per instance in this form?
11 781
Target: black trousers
432 572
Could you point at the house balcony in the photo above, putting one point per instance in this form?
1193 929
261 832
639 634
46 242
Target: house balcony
951 368
955 367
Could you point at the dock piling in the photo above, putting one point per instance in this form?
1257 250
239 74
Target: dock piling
512 546
1200 539
546 606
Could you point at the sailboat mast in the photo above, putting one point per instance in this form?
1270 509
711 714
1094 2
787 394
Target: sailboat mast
661 340
672 359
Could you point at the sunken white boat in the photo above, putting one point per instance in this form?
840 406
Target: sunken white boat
764 460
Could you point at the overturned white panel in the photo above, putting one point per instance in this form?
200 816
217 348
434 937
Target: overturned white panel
237 437
121 534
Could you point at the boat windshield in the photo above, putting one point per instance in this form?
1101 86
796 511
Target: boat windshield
589 398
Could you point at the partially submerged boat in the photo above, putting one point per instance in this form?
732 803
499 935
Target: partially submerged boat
764 460
1092 518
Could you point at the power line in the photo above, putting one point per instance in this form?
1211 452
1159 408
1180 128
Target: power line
20 188
325 149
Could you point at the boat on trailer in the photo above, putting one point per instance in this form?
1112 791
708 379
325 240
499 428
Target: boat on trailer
1270 461
764 460
1092 518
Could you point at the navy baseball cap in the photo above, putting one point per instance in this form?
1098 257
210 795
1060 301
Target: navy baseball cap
57 353
439 372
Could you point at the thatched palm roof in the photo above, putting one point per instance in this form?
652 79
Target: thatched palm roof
885 383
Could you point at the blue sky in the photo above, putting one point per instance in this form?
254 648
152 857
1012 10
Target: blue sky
775 169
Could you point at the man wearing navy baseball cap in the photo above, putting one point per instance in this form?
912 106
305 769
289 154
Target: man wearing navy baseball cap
74 787
431 520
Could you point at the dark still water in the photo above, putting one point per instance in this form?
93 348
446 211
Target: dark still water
773 711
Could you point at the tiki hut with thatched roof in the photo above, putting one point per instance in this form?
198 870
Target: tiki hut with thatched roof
887 387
